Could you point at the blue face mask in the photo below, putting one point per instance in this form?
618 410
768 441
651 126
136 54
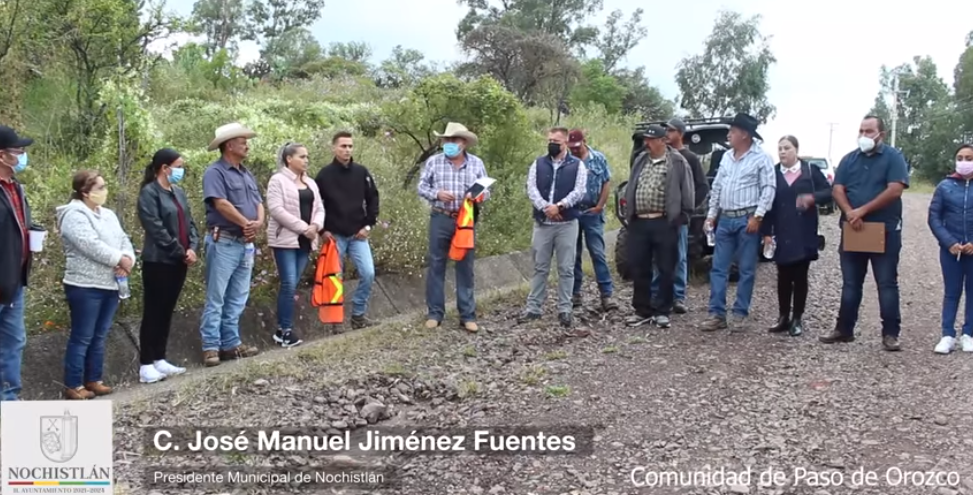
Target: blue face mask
451 149
21 163
176 175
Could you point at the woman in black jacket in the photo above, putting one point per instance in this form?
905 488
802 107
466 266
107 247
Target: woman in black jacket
792 224
171 240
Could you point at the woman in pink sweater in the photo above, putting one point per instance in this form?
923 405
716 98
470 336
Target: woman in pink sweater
296 217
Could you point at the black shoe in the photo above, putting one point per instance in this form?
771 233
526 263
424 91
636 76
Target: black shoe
836 336
565 320
528 316
680 308
797 327
577 301
783 324
713 324
638 320
287 338
891 343
361 321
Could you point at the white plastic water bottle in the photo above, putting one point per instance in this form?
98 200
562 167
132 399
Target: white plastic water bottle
710 234
770 247
249 251
123 291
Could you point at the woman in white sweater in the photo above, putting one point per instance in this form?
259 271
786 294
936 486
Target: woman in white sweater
98 254
296 218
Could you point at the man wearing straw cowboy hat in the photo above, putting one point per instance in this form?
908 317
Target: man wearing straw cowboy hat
234 215
445 180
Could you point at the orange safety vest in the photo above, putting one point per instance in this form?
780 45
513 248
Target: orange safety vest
329 289
463 235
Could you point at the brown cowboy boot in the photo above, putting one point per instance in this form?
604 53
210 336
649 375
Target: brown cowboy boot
98 388
79 393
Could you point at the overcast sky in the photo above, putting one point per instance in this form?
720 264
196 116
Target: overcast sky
829 51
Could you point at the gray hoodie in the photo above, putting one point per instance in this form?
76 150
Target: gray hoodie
94 243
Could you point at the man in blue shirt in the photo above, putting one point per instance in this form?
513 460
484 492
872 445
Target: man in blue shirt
234 215
868 187
591 221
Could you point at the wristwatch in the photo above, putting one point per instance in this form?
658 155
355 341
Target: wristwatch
368 228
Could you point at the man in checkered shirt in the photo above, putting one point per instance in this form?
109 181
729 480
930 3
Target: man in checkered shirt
444 183
659 198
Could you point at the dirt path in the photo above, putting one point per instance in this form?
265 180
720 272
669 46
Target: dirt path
675 400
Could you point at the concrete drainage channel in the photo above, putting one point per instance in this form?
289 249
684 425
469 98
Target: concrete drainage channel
394 297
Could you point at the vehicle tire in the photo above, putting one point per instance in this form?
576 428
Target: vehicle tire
621 256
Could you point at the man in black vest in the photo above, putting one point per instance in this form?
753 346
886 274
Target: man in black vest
659 199
555 185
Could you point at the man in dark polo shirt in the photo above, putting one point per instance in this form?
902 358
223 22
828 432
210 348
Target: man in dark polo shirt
234 215
868 187
14 260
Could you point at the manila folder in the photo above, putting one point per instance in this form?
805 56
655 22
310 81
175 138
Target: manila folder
870 239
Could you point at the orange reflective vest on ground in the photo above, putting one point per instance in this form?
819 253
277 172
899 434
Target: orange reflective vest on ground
329 288
463 236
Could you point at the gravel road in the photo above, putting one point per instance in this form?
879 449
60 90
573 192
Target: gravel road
674 400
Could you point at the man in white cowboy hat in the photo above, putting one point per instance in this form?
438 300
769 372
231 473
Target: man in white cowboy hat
234 214
445 180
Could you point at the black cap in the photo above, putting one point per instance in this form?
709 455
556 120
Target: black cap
10 139
676 124
654 131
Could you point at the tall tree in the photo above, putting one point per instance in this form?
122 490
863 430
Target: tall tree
731 74
641 97
404 68
963 89
353 51
562 19
223 23
522 62
272 19
925 114
10 19
598 87
617 39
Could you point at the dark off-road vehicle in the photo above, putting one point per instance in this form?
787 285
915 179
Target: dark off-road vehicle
703 137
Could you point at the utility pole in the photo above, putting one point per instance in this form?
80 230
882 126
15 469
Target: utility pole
830 138
895 107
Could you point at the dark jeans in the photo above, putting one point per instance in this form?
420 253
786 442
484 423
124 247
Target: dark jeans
290 266
441 228
13 339
957 277
591 228
792 281
885 269
92 313
161 285
651 243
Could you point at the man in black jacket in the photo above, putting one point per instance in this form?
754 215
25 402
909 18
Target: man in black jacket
675 129
350 211
15 260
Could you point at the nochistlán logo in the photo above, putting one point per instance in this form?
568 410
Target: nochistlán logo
59 437
56 447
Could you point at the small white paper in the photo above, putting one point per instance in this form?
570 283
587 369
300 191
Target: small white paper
486 182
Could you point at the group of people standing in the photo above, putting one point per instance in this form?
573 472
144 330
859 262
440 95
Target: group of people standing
99 255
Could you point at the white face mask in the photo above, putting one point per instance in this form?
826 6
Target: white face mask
866 144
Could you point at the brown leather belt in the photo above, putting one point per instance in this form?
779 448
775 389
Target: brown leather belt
651 216
451 214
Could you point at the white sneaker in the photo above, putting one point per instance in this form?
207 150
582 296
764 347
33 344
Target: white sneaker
945 345
168 369
148 374
966 342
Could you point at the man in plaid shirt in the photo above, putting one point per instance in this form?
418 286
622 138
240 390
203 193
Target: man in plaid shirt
444 183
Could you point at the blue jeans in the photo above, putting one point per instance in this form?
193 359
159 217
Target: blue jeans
361 255
13 339
885 268
227 291
290 266
441 228
682 271
592 229
92 313
957 277
733 241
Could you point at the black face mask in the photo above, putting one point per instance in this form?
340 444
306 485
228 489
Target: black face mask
553 149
